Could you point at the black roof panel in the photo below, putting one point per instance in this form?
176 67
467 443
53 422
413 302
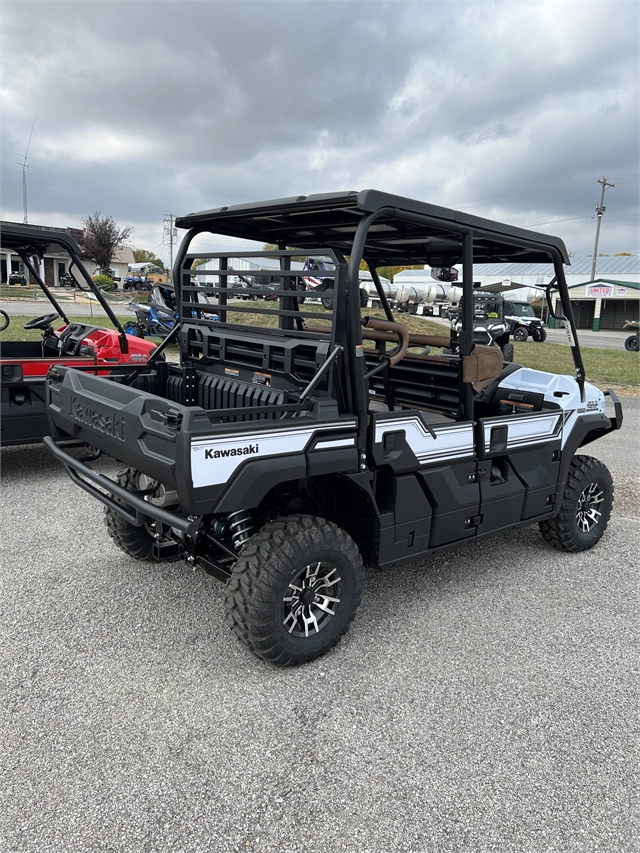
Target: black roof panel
406 231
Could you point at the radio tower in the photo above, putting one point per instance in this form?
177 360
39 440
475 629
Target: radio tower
26 166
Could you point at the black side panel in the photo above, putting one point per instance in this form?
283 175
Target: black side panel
539 470
404 496
454 495
250 485
24 413
501 495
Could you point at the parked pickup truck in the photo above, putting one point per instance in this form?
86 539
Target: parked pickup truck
294 444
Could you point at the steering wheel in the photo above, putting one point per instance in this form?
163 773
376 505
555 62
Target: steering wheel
5 320
41 322
397 354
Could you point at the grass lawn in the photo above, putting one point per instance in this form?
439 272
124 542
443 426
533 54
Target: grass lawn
603 367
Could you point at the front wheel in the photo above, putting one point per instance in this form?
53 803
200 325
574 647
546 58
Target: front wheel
586 507
520 334
539 335
632 344
294 589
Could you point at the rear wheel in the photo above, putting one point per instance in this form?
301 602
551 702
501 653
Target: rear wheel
327 301
586 507
135 541
294 589
632 343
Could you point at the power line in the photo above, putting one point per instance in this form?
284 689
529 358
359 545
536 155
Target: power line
553 221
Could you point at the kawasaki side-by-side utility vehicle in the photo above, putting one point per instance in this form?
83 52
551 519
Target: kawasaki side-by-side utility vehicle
294 444
86 346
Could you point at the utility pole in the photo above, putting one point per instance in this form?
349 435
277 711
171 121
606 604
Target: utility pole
170 236
600 209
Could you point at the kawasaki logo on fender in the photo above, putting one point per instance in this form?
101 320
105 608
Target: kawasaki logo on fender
215 461
110 424
234 451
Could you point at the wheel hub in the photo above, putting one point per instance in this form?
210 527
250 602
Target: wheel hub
311 599
587 510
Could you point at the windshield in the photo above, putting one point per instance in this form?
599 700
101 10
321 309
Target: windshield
522 309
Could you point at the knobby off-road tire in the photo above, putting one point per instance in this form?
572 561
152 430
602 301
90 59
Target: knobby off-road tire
586 507
134 541
520 334
507 352
294 590
327 301
540 336
632 343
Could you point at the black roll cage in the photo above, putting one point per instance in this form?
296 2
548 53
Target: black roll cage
30 241
453 235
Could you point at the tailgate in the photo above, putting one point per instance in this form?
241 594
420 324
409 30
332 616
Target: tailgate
130 425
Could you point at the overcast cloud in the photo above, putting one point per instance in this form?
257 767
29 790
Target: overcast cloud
510 110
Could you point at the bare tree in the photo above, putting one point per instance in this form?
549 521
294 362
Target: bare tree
103 237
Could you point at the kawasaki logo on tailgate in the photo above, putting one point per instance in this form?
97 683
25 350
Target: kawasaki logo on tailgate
110 423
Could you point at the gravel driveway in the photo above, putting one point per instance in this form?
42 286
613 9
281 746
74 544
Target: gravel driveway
483 700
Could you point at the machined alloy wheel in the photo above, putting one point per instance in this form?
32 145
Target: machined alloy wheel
586 507
294 589
588 513
312 599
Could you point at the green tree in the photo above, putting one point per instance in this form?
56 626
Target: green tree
102 237
144 256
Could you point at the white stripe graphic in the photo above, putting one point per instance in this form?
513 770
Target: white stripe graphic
215 460
522 431
452 441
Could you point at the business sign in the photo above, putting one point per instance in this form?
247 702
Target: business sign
621 291
599 291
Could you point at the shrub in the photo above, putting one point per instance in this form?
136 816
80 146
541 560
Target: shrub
105 282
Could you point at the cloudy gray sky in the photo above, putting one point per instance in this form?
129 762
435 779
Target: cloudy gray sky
510 110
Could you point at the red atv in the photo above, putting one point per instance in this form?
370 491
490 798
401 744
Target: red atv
25 364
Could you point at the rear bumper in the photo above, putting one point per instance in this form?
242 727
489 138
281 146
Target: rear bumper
130 506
